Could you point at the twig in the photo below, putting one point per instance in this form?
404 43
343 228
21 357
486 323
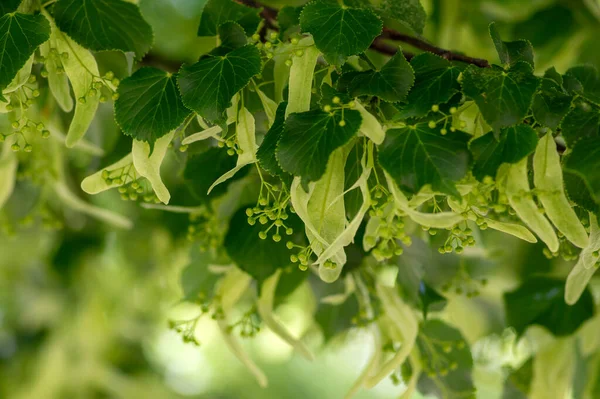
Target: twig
270 16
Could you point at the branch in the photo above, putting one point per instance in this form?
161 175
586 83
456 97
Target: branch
269 14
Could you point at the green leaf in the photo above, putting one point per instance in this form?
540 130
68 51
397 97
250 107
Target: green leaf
208 86
518 383
335 319
259 258
511 53
447 361
514 144
503 97
391 83
339 31
581 122
216 12
550 104
430 298
197 281
435 83
309 138
540 301
588 76
578 192
232 37
8 6
101 25
20 36
149 105
584 161
266 151
417 155
288 19
408 12
203 169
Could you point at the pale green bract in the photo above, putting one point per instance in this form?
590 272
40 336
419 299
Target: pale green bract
586 265
246 137
22 76
58 83
548 180
370 126
81 68
8 170
301 78
148 164
95 183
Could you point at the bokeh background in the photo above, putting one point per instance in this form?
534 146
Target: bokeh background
84 310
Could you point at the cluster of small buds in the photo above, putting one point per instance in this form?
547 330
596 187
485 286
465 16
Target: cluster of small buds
41 215
566 250
22 128
463 284
271 211
336 105
131 187
187 329
204 229
445 120
231 143
55 57
458 238
248 325
302 256
438 365
23 98
390 232
104 86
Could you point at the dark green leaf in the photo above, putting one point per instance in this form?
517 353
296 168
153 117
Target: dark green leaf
584 161
232 37
20 36
408 12
514 144
208 85
430 298
417 155
353 200
541 301
552 74
288 19
149 105
197 281
503 97
7 6
578 191
511 53
391 83
335 319
447 361
266 151
581 122
587 75
550 104
328 93
309 138
105 25
291 278
216 12
339 32
435 83
259 258
203 169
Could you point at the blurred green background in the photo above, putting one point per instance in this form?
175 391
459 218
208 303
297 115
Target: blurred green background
84 310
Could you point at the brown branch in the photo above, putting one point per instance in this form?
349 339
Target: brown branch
423 45
270 16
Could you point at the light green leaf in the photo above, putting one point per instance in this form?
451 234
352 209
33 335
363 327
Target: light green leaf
8 173
20 36
77 204
309 138
370 126
548 179
81 68
503 97
269 106
104 25
519 198
301 77
95 183
147 163
58 82
208 86
417 155
339 31
149 105
489 152
203 135
391 83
